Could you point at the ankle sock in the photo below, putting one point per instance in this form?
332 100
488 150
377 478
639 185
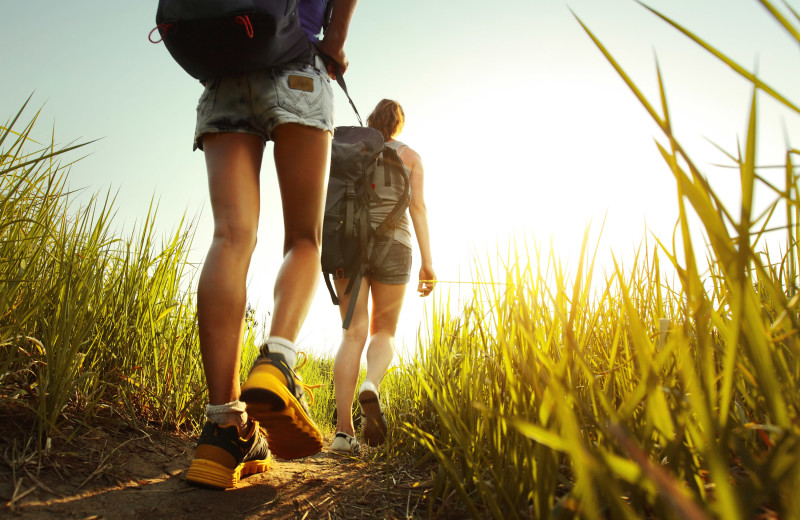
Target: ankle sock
285 347
368 385
228 413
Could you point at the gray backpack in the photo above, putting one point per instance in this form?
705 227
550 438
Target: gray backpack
359 159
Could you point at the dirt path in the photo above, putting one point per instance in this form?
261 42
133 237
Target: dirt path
139 475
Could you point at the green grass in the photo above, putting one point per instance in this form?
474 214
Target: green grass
87 318
541 399
549 394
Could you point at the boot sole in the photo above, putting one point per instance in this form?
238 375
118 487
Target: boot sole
291 434
211 474
374 423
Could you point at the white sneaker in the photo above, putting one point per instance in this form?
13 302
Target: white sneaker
344 444
375 426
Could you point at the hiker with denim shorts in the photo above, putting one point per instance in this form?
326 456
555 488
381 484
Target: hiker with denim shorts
291 105
385 281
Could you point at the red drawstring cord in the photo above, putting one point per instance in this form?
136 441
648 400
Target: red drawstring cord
245 20
241 20
165 26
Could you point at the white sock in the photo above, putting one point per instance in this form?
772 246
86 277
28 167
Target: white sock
368 385
228 413
285 347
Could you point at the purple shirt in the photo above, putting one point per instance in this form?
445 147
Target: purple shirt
312 15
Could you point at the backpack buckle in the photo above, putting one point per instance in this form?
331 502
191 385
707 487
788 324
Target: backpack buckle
340 273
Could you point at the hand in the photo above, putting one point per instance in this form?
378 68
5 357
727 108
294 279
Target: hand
427 280
332 44
331 47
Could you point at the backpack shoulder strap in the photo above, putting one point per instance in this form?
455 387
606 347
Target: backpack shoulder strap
326 20
392 161
342 84
354 285
387 228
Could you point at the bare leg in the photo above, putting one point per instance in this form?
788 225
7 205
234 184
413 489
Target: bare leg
387 301
302 154
348 358
272 391
233 162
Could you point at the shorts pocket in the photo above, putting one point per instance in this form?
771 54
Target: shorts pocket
395 266
302 92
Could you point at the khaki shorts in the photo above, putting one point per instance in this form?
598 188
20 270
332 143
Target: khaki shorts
257 102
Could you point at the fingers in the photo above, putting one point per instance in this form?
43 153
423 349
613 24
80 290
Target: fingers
332 64
334 57
425 288
343 63
427 280
332 68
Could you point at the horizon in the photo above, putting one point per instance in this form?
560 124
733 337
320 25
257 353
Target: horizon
548 138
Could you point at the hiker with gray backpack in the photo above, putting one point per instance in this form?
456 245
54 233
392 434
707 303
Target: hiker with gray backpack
367 254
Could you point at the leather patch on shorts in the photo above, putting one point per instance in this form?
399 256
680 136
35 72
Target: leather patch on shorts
303 83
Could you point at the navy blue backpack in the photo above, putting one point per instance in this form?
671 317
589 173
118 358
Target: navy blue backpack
216 38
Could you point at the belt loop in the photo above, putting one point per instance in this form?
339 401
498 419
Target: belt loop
312 59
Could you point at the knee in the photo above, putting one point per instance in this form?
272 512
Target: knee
356 334
306 242
383 328
241 239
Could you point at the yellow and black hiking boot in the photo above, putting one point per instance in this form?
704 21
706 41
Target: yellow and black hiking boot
222 457
274 395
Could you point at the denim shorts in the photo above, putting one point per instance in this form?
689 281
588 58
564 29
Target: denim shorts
395 268
257 102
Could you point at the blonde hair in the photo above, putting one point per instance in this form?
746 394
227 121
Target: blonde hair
388 118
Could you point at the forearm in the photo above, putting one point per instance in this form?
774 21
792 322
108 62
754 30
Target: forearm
336 32
332 44
419 217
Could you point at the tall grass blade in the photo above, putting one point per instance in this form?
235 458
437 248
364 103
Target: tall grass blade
727 61
787 25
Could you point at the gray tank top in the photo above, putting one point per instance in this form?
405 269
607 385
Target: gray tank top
387 198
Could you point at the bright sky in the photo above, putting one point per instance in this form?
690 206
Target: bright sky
525 130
